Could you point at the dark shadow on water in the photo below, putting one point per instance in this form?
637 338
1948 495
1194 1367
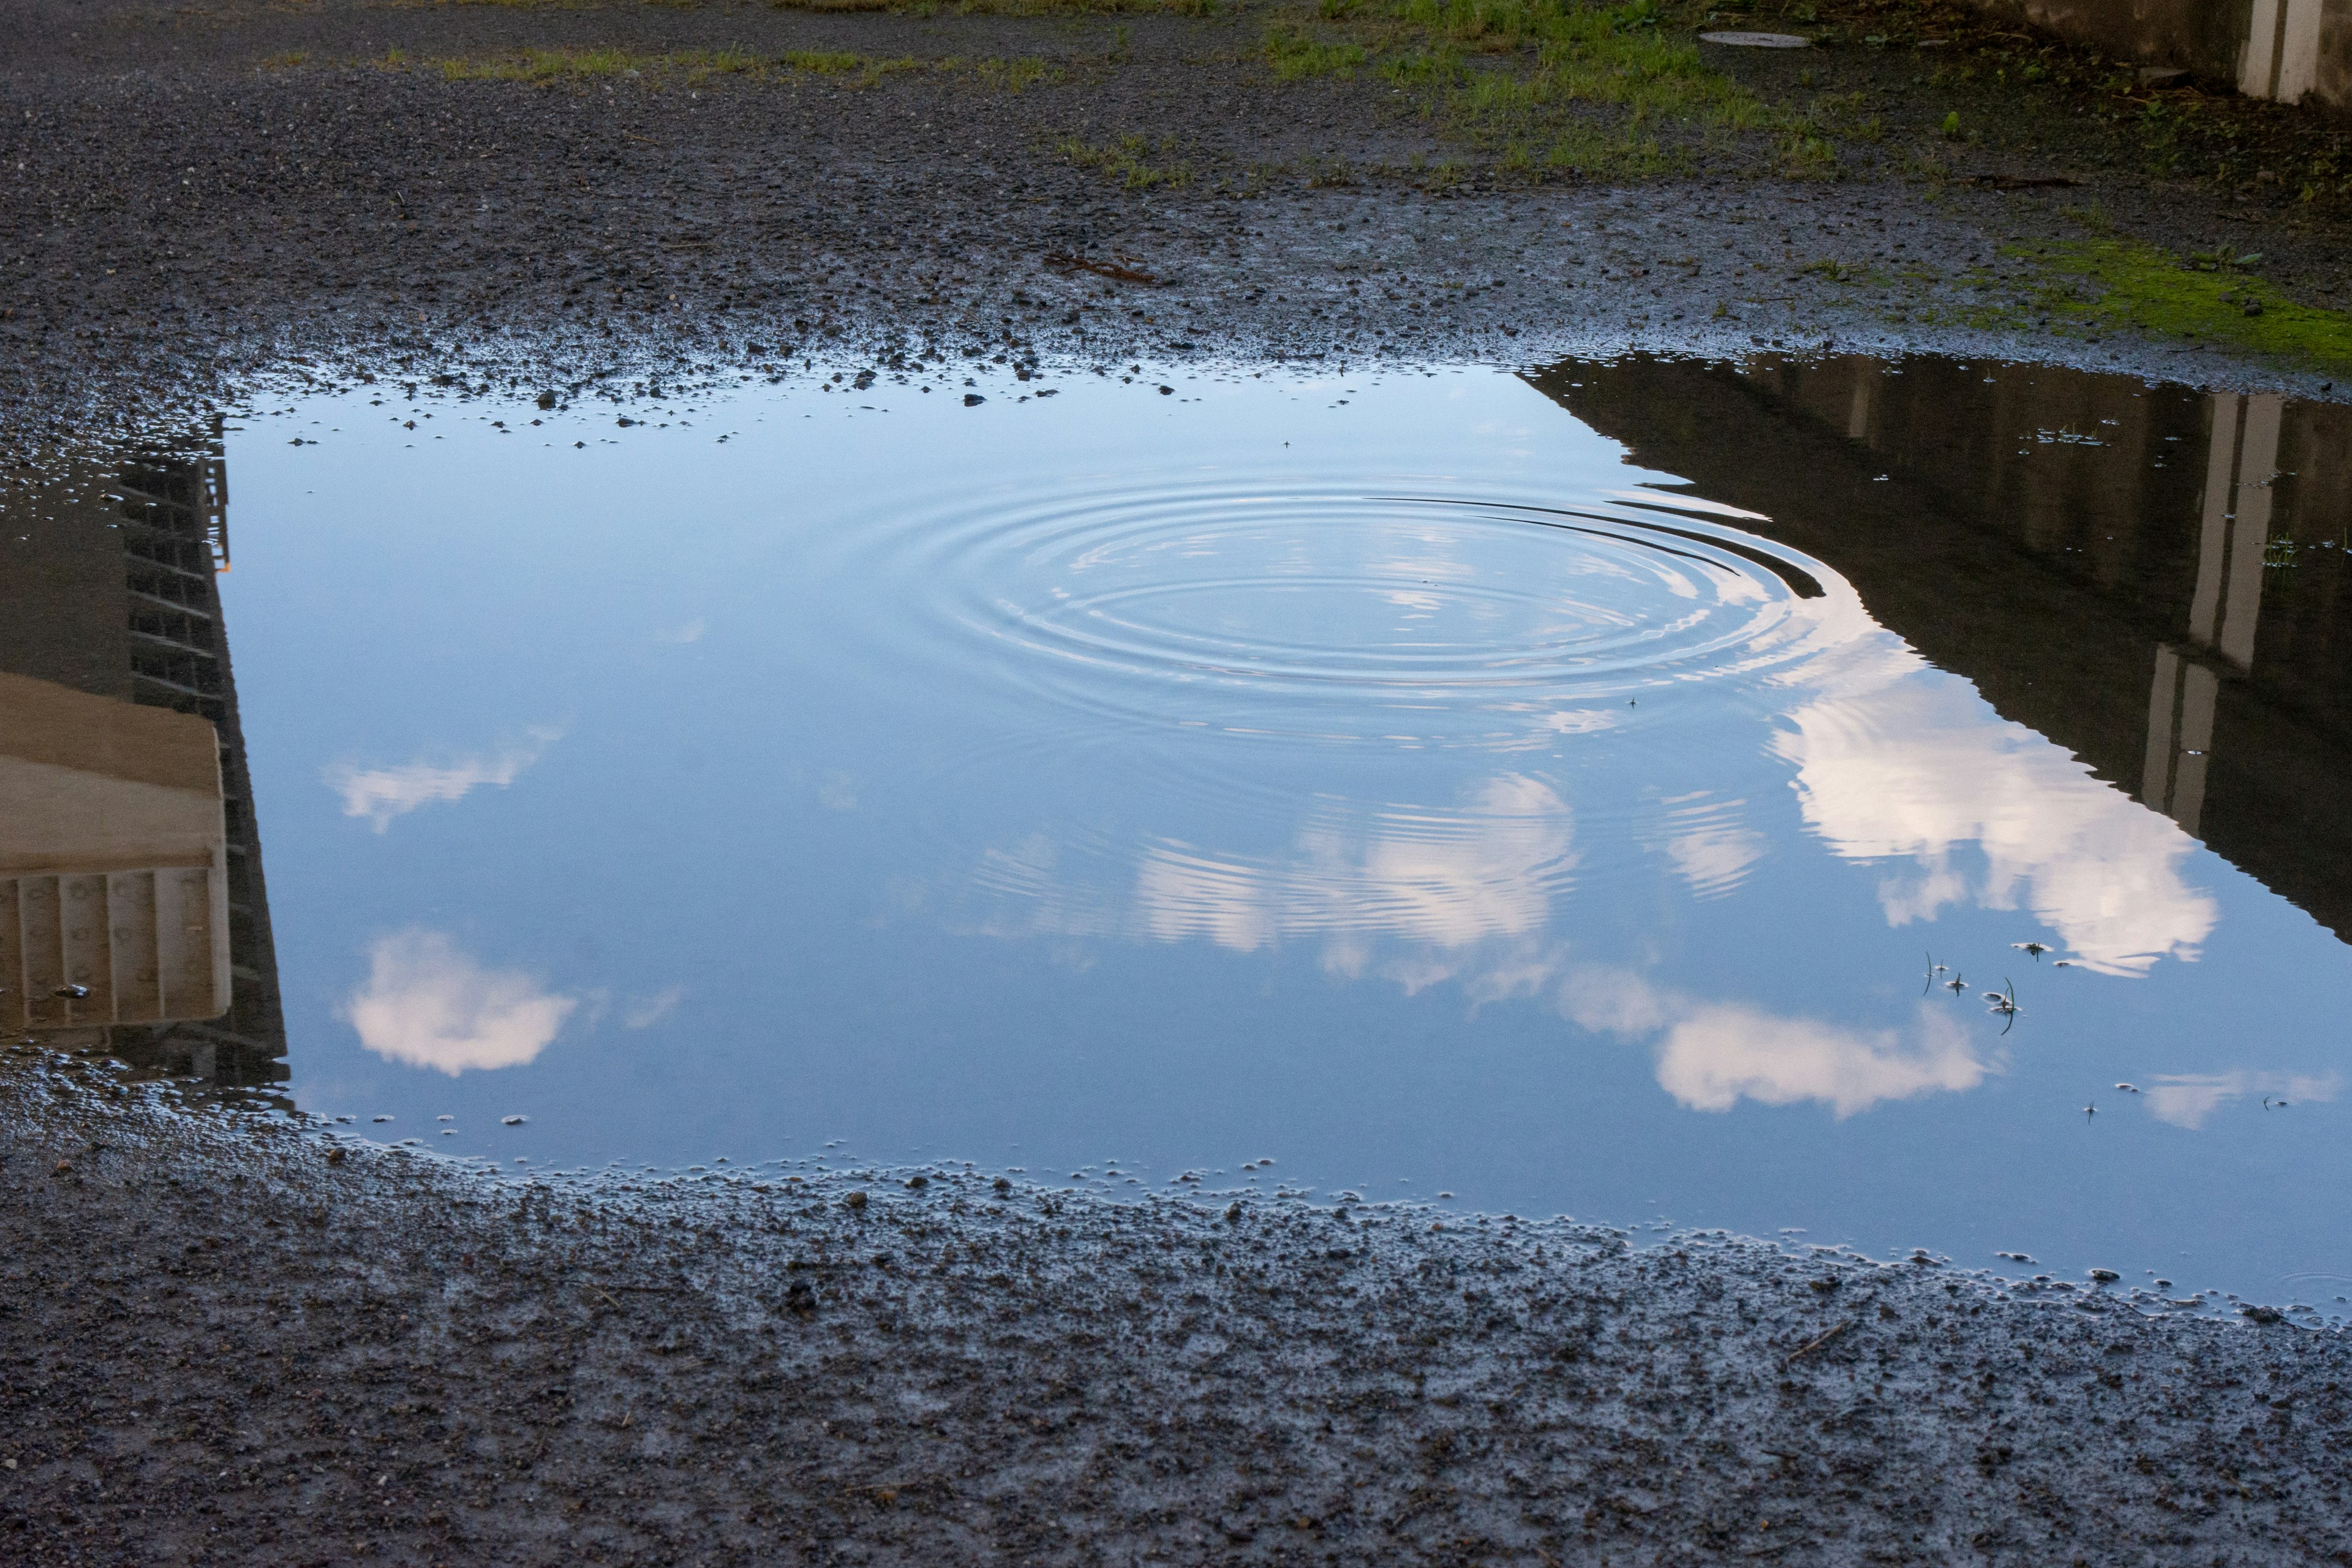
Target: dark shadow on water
2153 577
134 920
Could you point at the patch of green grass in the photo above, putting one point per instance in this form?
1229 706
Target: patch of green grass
863 69
540 67
2112 283
543 67
1014 76
569 5
1128 159
1009 7
825 62
1293 53
1602 90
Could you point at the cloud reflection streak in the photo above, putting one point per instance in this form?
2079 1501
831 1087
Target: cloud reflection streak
380 795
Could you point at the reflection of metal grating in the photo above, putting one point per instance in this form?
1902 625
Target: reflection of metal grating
114 947
174 538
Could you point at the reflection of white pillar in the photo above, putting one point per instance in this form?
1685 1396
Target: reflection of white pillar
2199 690
2179 734
2213 543
2282 58
2251 531
2224 611
2238 468
1857 414
2155 773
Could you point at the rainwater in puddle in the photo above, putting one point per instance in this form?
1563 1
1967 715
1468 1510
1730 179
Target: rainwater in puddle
1795 797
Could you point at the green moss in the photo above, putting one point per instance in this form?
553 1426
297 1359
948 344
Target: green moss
2122 283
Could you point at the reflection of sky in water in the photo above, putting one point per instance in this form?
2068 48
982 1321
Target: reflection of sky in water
1106 777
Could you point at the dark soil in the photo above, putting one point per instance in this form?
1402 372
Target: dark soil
229 1340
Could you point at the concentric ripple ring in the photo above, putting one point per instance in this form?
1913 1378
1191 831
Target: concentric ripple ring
1337 614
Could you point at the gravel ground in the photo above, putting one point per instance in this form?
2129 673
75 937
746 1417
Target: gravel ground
233 1338
183 210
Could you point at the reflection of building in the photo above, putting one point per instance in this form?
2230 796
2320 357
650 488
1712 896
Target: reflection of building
2152 577
132 912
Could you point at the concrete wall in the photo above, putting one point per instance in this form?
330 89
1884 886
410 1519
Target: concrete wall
2285 49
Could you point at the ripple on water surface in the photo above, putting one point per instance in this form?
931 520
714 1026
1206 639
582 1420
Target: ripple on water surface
1324 614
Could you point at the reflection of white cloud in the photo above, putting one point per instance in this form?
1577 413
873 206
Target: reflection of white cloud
691 632
644 1012
1720 1052
382 793
2187 1099
429 1006
837 793
1445 878
1712 1055
1706 841
1911 764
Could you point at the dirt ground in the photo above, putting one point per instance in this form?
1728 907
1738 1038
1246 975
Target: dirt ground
223 1340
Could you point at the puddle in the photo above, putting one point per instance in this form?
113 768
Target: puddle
1571 793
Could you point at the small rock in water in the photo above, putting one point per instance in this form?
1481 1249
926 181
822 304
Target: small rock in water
380 1119
510 1120
972 399
2104 1276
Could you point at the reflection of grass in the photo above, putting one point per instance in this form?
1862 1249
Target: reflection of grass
292 59
2112 283
1127 161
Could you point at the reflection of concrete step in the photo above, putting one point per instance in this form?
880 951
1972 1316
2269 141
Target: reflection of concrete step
146 946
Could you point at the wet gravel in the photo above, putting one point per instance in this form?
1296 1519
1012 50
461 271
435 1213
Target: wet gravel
233 1338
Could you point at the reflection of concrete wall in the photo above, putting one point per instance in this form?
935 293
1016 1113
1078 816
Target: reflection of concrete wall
112 861
2283 49
135 798
2088 550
